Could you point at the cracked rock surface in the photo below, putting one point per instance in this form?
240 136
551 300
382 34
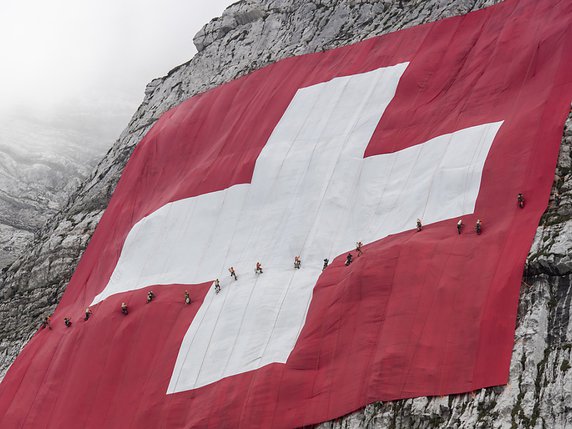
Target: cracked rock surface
249 35
40 164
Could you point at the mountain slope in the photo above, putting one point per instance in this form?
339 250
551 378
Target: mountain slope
43 158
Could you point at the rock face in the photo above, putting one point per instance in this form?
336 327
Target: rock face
249 35
40 164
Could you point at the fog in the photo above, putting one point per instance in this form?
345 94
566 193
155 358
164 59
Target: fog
83 65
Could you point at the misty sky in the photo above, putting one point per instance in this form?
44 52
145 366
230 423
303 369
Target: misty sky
63 59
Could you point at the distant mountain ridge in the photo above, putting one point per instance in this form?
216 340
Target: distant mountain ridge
41 163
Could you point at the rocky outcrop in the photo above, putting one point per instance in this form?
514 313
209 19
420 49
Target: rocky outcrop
41 162
249 35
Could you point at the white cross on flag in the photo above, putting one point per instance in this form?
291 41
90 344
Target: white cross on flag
306 157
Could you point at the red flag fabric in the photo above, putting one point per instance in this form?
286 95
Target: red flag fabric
417 314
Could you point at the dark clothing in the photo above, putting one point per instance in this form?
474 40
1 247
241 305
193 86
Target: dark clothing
349 259
46 323
326 261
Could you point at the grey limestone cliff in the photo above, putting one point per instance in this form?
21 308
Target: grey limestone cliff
249 35
41 162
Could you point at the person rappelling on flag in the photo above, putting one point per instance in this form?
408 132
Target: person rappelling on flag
297 262
358 248
232 273
67 322
46 323
419 225
258 269
187 297
459 226
217 286
87 314
520 200
349 259
150 296
326 262
478 227
124 309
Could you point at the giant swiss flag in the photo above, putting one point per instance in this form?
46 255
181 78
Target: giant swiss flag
305 157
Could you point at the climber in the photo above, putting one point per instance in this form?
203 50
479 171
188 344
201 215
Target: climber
349 259
258 269
297 262
358 248
67 321
187 297
326 261
46 323
87 313
124 308
217 286
556 198
419 225
459 226
520 200
150 296
478 227
232 273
